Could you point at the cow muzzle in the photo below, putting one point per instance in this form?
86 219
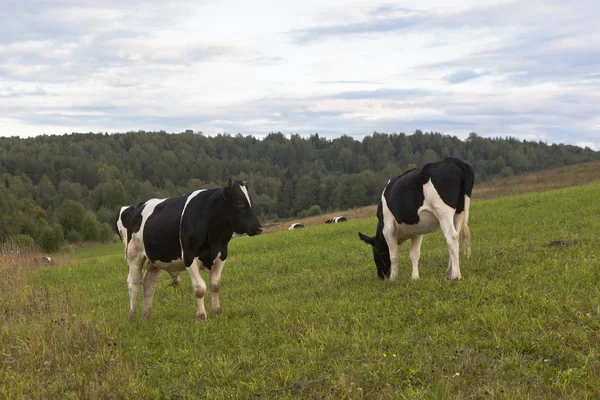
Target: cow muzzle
255 231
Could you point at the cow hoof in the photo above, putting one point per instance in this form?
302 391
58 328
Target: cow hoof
147 315
201 317
454 278
131 316
217 311
415 278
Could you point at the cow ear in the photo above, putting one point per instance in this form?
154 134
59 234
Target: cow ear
230 182
247 183
367 239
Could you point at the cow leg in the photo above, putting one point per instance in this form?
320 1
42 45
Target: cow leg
392 242
149 282
415 254
214 279
174 280
134 281
458 221
199 287
451 235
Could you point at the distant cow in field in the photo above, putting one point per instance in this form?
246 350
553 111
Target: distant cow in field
295 225
423 200
335 220
120 227
47 260
189 232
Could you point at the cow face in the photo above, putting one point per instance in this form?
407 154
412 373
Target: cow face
241 214
381 254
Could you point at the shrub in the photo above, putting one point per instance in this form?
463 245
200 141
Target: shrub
91 226
314 210
105 232
73 236
22 241
50 238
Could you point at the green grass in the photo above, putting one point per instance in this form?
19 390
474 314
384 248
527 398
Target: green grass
304 315
103 250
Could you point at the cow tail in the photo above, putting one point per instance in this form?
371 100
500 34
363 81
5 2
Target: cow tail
465 233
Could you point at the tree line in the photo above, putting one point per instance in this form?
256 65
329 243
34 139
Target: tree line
69 187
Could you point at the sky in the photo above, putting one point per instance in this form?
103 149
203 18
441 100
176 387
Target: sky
527 68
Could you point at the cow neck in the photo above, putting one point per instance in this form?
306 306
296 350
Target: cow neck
219 229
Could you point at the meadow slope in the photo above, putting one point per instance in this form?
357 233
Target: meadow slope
304 316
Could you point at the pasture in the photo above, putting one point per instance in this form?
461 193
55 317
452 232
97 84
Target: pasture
304 316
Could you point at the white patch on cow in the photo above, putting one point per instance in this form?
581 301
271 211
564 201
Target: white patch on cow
245 191
122 230
434 215
138 237
170 266
190 197
428 222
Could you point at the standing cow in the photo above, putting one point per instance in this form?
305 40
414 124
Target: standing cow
423 200
188 232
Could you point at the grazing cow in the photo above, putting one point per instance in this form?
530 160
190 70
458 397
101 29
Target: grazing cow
295 225
121 225
189 232
335 220
421 201
47 260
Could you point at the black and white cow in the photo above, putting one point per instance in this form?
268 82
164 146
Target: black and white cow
335 220
423 200
120 227
295 225
189 232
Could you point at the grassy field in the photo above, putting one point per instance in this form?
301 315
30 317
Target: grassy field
304 316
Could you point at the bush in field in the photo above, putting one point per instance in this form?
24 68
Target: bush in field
313 211
22 241
105 233
50 238
91 226
73 236
70 215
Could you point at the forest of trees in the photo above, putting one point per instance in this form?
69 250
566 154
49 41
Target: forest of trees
56 188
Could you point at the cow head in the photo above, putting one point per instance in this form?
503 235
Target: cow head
240 213
381 254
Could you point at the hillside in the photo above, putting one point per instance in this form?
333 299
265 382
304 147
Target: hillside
57 189
553 178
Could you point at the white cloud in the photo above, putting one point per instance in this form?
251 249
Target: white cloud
519 68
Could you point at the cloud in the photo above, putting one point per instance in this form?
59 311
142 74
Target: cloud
521 68
384 93
368 27
463 76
